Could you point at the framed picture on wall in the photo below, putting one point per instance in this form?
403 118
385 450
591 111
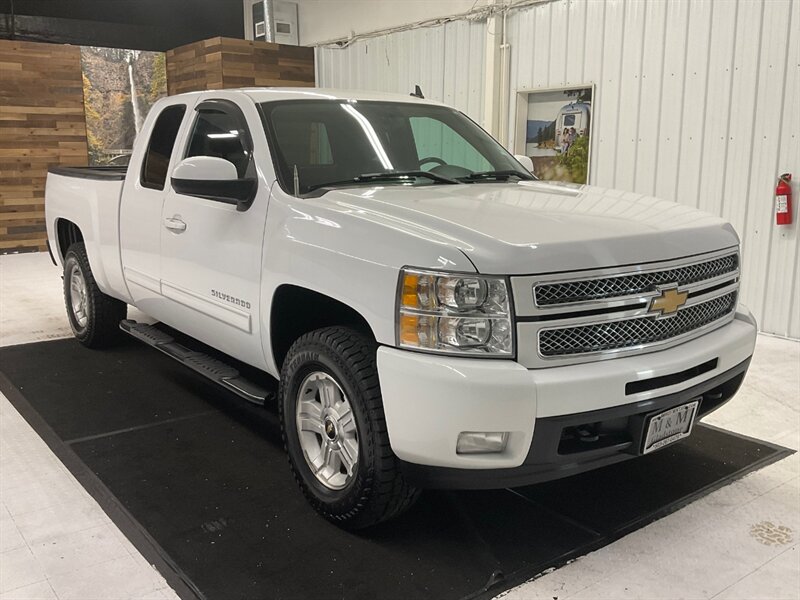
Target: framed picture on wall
555 129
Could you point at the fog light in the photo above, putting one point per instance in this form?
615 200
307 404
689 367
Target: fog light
481 442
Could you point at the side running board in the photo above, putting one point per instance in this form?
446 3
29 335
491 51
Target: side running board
207 366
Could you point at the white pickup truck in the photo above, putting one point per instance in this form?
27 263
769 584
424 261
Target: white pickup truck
435 315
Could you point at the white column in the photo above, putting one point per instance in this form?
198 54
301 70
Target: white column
493 69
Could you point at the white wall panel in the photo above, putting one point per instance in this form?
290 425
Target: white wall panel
739 165
446 61
669 137
325 20
651 95
690 128
781 263
716 116
696 101
756 224
607 111
630 103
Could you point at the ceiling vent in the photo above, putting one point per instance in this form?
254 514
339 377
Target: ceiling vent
271 21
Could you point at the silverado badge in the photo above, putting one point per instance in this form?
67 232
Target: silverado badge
668 303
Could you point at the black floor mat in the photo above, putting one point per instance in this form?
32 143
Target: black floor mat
199 482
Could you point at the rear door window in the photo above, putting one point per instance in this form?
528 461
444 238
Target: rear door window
159 149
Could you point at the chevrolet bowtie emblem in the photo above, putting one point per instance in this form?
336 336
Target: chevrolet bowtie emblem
668 302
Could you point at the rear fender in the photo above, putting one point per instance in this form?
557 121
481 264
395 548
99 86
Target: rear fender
92 207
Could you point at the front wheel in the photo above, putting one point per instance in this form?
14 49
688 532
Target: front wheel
93 316
334 429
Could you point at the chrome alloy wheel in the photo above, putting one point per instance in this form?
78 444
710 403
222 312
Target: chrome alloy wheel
77 296
326 427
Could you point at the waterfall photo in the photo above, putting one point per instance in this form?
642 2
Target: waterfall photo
119 87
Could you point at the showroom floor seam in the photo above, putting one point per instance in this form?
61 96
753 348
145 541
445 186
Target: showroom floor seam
89 438
576 523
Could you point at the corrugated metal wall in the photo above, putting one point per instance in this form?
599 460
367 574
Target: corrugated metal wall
446 61
697 101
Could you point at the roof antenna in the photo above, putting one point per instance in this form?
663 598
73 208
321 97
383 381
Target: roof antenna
296 182
417 92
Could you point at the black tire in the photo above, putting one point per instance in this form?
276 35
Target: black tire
101 313
377 490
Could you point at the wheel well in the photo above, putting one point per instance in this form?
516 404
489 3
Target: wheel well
68 233
297 310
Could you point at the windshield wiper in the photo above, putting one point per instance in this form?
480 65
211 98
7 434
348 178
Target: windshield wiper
385 176
496 175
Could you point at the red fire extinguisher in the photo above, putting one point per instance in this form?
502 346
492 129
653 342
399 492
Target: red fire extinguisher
783 200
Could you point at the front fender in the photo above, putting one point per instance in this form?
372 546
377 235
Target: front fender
346 255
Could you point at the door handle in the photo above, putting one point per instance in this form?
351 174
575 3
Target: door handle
175 224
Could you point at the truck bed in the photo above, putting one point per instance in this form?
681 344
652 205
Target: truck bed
89 198
113 173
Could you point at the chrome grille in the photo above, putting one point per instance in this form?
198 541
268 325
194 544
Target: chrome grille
628 333
613 287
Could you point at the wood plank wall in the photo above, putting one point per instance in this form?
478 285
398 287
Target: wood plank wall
41 124
220 63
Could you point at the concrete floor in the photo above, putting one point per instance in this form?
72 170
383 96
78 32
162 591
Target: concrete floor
738 542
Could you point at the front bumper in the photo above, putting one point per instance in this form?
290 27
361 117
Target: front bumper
429 400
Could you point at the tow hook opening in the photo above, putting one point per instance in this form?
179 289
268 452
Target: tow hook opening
593 436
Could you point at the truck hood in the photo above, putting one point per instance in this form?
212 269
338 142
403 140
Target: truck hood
536 227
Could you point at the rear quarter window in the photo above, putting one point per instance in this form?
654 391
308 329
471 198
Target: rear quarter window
159 148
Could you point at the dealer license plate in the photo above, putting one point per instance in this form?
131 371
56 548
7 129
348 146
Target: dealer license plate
670 426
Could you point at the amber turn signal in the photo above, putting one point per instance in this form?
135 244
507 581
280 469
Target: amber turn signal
410 283
408 330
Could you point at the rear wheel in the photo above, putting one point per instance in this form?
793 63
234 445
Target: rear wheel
93 316
334 429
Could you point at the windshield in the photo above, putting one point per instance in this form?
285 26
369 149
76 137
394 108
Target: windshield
331 142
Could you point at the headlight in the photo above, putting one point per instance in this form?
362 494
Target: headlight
454 314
